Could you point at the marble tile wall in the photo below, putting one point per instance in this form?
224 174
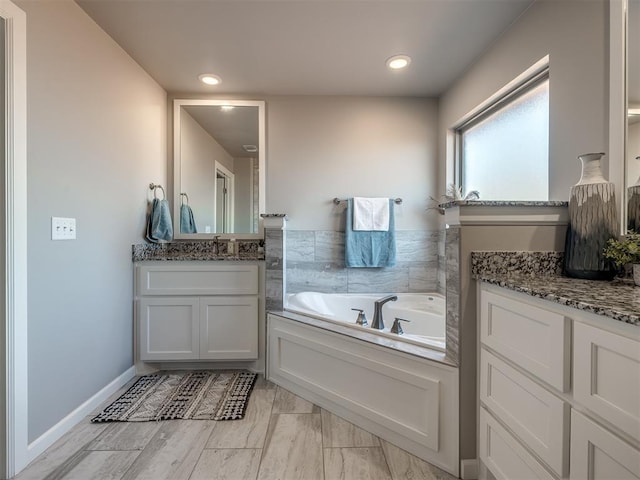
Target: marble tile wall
275 275
452 262
315 261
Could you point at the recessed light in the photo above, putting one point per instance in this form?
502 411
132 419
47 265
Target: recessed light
250 148
398 61
209 79
226 108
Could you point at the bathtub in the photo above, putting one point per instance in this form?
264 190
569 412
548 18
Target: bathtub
425 312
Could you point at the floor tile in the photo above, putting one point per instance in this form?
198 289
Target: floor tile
403 465
102 466
125 436
293 449
68 450
173 451
337 432
227 464
355 464
250 431
287 402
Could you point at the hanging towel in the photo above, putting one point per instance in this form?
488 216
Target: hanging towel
371 214
159 225
187 222
369 248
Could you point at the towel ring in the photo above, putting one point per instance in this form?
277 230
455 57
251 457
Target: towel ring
182 197
153 186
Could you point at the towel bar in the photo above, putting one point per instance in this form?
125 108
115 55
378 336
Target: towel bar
337 200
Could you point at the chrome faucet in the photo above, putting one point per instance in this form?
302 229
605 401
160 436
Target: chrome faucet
216 244
377 311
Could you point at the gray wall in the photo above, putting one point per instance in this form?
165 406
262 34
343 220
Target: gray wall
325 147
574 34
96 139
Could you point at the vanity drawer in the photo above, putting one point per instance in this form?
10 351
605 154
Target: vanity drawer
503 455
607 376
534 338
236 279
536 416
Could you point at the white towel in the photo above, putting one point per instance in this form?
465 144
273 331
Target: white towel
371 214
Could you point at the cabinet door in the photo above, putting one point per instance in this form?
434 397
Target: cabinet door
229 328
168 328
597 454
606 376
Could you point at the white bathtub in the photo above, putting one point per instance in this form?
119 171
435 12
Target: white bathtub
425 312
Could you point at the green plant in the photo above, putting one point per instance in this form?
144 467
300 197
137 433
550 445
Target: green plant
624 251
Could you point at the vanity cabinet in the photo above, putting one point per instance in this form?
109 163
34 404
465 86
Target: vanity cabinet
197 312
559 390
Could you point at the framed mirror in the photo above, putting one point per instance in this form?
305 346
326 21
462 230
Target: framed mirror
632 144
218 168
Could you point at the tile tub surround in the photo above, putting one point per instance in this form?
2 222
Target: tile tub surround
618 299
197 250
315 261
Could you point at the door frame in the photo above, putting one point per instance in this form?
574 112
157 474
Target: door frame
15 408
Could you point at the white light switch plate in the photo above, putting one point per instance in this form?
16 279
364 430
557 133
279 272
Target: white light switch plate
63 228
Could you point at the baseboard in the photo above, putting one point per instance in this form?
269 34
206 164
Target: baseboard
469 469
49 437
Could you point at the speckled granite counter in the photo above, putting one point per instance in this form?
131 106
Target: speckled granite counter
504 203
540 277
247 250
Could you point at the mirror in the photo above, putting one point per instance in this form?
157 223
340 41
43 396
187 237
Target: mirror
218 168
632 150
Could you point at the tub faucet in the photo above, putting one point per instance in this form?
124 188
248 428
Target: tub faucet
377 311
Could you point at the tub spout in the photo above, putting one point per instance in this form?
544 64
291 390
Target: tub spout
377 312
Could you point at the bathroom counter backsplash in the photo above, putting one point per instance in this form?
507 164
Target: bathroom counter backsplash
246 250
504 203
539 274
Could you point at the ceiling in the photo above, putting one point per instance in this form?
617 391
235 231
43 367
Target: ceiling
305 47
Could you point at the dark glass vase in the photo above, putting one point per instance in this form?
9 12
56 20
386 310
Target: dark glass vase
592 222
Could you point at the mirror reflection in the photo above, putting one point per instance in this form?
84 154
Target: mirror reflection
633 116
218 167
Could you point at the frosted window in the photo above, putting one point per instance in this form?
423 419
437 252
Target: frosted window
505 156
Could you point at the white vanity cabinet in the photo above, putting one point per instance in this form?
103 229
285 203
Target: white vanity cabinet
559 390
197 311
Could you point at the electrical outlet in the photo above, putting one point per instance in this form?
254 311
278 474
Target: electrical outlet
63 228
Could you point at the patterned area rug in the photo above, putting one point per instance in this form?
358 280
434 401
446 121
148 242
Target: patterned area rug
207 395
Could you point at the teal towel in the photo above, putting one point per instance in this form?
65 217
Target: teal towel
187 222
159 226
369 248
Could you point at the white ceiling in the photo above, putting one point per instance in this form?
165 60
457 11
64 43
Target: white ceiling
305 47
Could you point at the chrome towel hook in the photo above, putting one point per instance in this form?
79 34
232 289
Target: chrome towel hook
182 198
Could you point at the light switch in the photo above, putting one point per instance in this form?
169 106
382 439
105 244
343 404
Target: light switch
63 228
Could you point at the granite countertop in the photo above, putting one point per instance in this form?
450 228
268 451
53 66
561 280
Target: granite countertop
247 250
539 274
504 203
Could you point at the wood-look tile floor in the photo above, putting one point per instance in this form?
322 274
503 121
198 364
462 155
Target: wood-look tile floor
282 437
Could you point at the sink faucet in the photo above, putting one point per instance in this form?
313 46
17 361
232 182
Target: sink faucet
377 312
216 244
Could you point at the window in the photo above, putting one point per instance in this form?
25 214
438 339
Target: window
503 151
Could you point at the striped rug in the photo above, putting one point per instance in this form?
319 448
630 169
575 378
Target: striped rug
202 395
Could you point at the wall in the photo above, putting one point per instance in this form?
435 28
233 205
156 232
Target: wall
574 34
326 147
96 139
199 152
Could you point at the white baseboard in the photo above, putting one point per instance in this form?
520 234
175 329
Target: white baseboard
469 469
49 437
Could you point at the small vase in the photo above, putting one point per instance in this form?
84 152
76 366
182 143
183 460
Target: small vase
592 222
636 274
